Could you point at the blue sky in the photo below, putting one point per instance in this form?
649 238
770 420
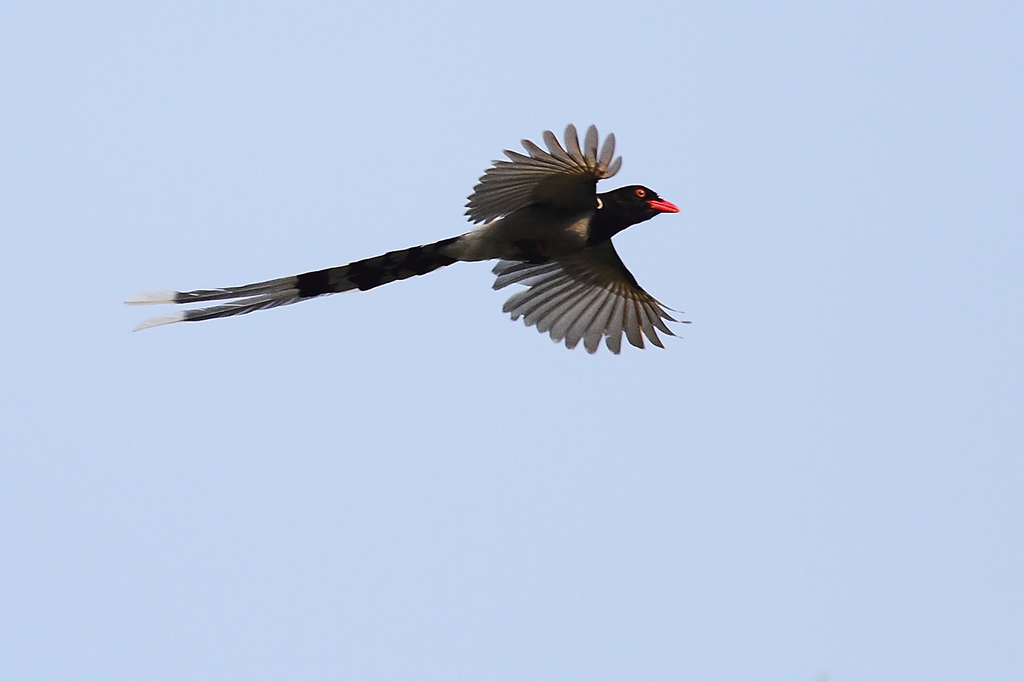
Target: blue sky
822 479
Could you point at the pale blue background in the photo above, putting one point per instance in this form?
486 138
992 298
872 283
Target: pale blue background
822 479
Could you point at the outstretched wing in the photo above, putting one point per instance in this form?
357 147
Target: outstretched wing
566 178
585 296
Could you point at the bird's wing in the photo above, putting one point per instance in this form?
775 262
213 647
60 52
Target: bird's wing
565 178
585 296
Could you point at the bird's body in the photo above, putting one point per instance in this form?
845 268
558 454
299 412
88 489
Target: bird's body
562 233
541 216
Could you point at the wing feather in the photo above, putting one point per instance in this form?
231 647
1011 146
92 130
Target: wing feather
642 314
607 151
613 336
598 325
554 148
658 315
590 146
572 142
564 177
570 312
631 326
518 272
545 315
586 296
530 303
573 325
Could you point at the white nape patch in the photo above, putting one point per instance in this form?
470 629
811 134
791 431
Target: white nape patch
600 204
151 297
159 320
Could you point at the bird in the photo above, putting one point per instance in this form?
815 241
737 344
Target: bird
540 216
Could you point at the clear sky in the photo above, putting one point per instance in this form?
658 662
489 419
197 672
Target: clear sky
823 479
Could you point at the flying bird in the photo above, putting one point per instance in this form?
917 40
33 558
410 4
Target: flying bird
540 215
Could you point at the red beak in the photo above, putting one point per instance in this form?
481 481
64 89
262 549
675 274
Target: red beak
663 206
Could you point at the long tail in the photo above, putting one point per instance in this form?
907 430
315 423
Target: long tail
362 274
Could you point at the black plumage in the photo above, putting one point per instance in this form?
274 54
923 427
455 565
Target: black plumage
540 215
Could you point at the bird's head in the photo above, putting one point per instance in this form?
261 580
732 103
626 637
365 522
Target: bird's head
635 203
625 206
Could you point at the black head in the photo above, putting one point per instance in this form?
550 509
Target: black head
625 206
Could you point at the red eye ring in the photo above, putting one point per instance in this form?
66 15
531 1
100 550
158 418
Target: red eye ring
640 192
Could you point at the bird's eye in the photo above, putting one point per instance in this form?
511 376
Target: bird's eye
640 192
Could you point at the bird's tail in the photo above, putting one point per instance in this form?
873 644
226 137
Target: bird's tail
362 274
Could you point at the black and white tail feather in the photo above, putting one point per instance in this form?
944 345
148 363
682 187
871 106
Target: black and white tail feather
362 275
584 295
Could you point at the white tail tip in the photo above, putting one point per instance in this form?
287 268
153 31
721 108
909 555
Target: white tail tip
159 320
151 298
